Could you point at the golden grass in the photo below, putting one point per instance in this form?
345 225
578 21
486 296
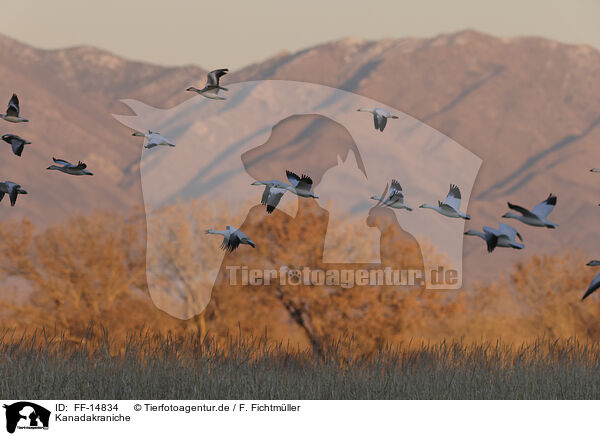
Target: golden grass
43 366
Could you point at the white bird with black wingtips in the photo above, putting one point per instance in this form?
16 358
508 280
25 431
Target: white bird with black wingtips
538 216
380 117
503 236
451 206
12 189
232 238
274 189
12 111
595 284
212 87
17 143
69 168
154 139
395 197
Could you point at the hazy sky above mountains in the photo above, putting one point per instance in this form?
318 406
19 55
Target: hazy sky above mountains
216 34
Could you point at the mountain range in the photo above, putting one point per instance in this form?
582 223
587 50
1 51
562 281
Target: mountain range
528 107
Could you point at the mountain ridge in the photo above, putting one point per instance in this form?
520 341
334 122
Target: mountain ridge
528 106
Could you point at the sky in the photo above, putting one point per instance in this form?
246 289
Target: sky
229 34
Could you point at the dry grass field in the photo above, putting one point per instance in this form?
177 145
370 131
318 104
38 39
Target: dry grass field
514 337
42 366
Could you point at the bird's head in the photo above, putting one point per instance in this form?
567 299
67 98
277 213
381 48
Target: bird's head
257 183
593 263
137 134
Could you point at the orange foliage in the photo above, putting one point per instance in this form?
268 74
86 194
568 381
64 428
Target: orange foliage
92 269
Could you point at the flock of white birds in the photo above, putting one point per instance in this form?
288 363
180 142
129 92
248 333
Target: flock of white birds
301 186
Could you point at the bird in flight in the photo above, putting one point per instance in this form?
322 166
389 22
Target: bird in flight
503 236
451 206
69 168
12 189
154 139
17 143
232 238
395 197
212 87
12 111
538 216
595 284
274 189
380 117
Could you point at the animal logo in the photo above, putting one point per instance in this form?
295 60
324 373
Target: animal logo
26 415
225 148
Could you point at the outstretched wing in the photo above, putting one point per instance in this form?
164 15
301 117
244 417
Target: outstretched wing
214 76
544 208
304 182
521 209
13 106
382 122
62 162
13 191
453 197
491 231
293 178
491 241
376 121
595 284
17 146
271 197
231 243
395 194
509 231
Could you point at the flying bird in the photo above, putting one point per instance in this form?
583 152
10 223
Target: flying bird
301 186
212 87
69 168
12 111
503 236
17 143
595 170
12 189
538 216
451 206
595 284
274 189
232 238
154 139
395 197
380 117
